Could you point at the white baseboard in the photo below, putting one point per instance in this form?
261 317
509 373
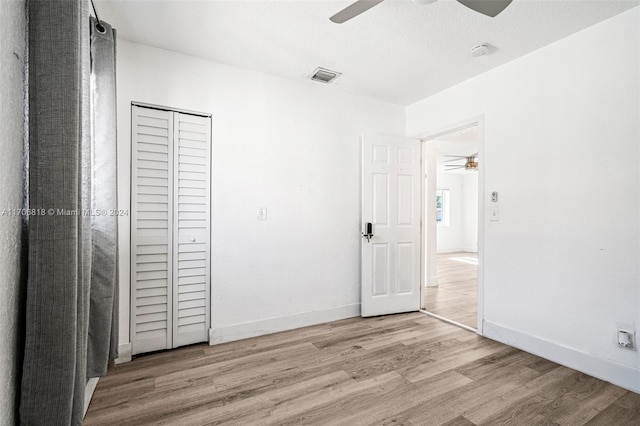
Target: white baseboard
459 250
124 353
621 375
89 388
273 325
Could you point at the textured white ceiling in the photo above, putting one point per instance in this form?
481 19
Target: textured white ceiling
398 51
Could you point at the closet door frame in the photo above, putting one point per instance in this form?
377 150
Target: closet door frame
171 324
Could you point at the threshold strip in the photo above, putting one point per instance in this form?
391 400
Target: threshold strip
447 320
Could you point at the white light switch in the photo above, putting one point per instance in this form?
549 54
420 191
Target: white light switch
262 213
494 214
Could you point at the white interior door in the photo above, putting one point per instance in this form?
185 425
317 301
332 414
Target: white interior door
391 203
192 136
170 229
151 213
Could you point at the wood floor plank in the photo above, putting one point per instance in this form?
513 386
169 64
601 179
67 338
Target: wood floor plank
240 370
630 400
616 415
326 406
460 401
121 393
413 395
590 394
248 410
525 403
505 357
450 360
407 369
563 396
459 421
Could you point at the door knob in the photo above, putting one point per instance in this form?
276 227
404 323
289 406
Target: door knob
368 231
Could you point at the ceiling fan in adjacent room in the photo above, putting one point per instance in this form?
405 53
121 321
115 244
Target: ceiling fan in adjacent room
470 162
487 7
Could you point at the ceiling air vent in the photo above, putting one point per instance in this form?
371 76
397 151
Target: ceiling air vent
324 75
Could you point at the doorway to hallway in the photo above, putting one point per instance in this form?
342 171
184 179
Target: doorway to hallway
452 238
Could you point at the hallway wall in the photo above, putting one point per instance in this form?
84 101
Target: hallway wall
562 263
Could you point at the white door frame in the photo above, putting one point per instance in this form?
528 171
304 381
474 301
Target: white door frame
428 264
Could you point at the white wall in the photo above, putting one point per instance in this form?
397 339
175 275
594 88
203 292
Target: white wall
462 232
290 146
13 37
450 237
562 266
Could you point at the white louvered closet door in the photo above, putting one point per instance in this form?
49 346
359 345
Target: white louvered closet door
191 228
170 235
151 242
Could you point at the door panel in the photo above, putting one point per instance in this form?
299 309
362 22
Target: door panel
404 267
151 249
380 268
391 202
380 198
191 225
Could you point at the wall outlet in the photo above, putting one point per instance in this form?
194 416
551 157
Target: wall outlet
627 339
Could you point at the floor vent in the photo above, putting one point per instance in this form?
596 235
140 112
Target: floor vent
324 75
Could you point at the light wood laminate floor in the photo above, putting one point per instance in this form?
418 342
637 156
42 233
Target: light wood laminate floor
407 369
456 297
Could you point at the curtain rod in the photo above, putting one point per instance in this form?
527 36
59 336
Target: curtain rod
99 25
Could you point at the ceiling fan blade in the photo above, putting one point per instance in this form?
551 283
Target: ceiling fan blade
487 7
454 167
353 10
454 159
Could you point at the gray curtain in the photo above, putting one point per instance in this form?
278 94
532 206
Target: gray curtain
69 322
103 312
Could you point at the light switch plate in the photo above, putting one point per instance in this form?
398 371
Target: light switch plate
262 213
494 214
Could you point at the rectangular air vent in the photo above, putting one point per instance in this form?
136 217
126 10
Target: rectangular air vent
324 75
